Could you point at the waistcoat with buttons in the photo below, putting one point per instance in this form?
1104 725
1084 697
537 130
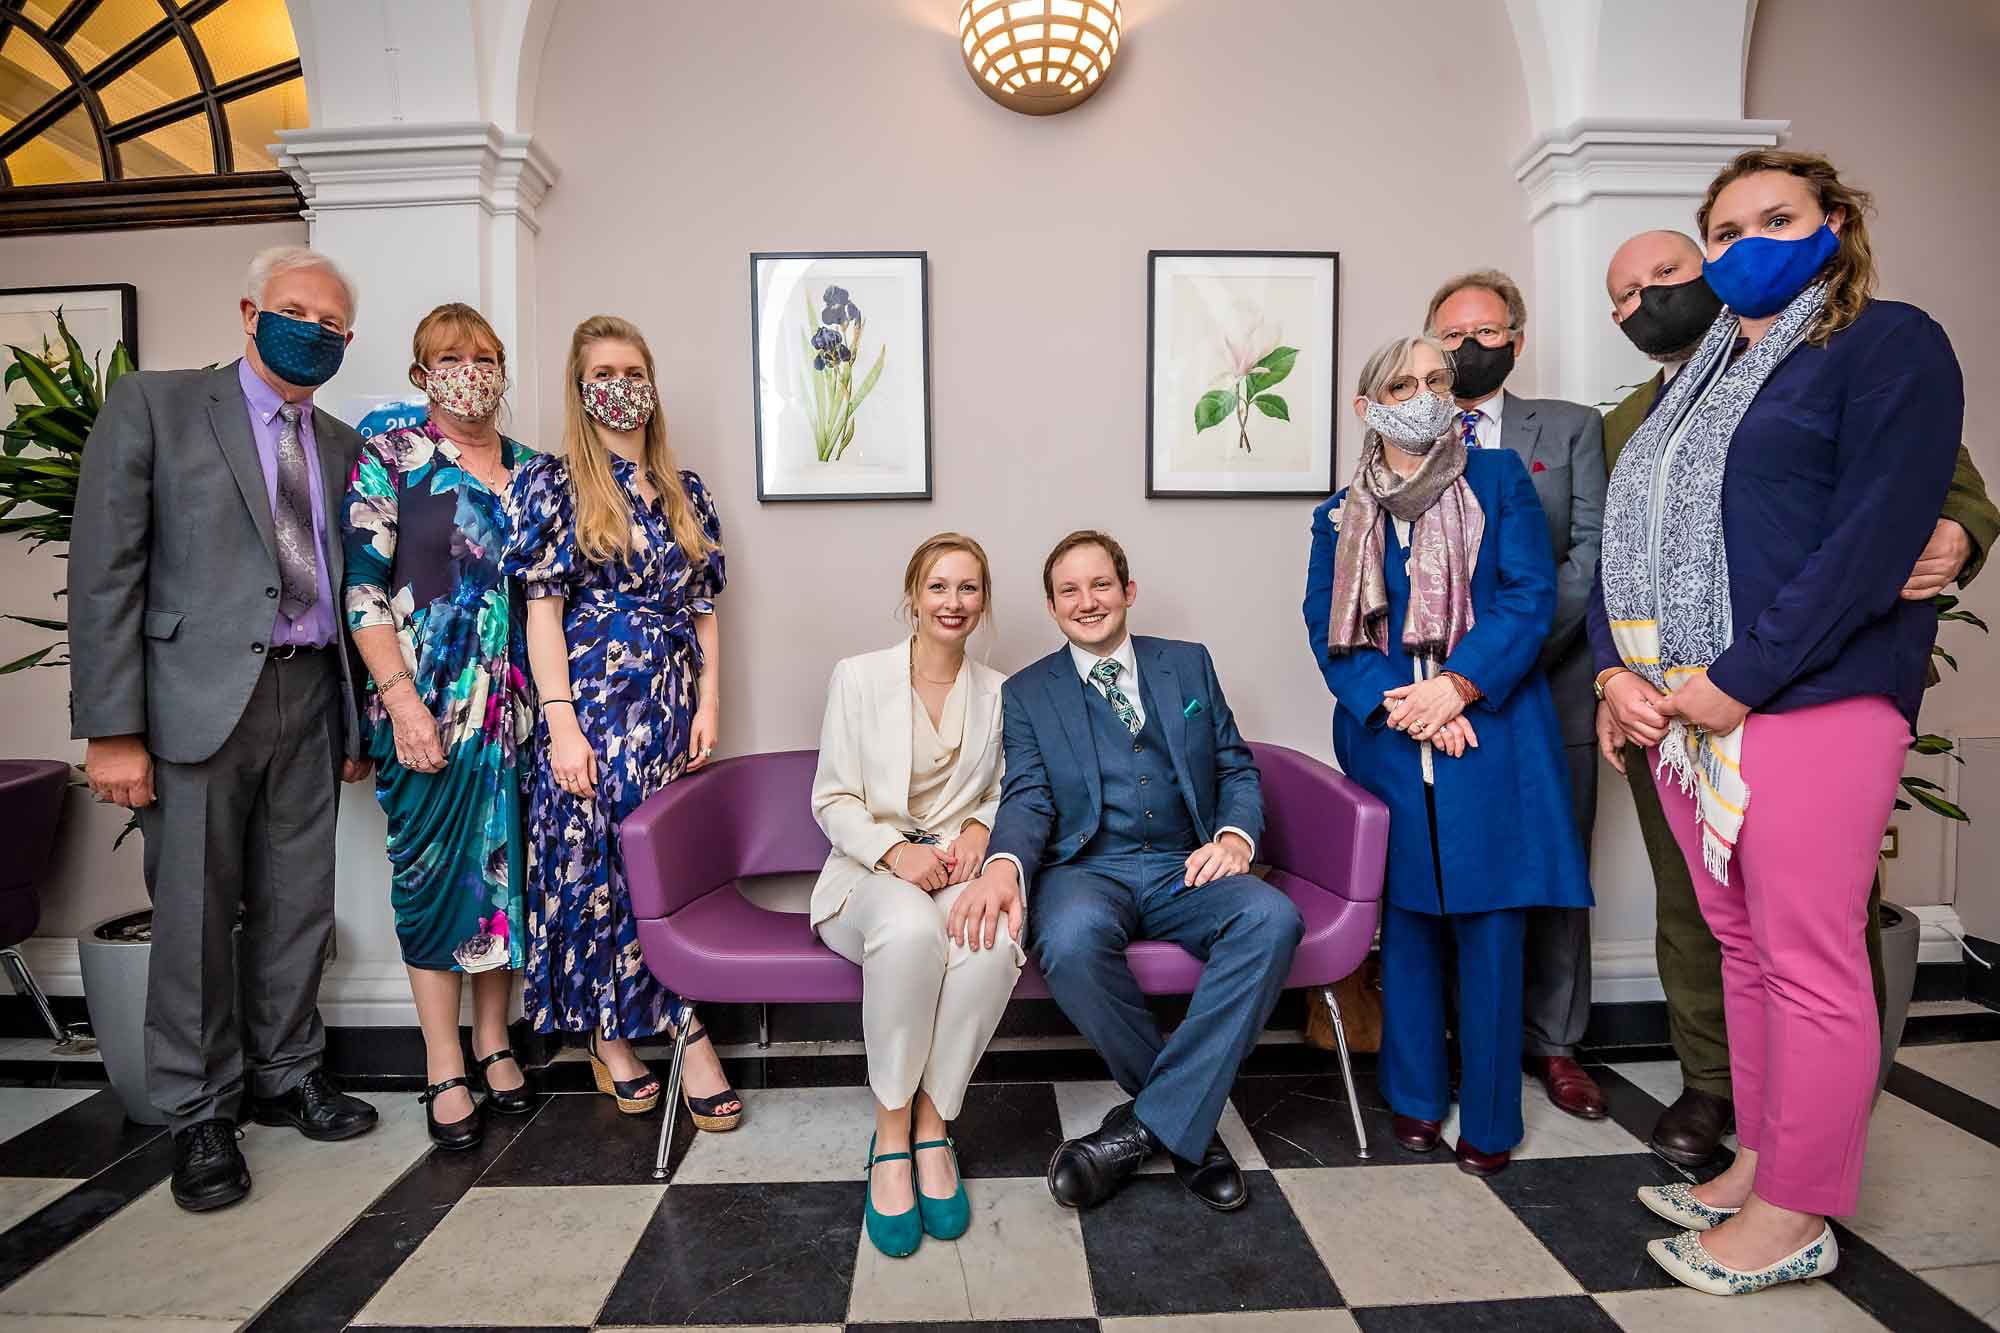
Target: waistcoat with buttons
1144 810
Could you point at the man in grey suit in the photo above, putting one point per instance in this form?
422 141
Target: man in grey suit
1481 320
209 675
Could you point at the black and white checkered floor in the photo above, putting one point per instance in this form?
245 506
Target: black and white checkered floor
555 1221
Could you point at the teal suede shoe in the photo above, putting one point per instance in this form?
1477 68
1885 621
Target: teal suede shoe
945 1219
898 1236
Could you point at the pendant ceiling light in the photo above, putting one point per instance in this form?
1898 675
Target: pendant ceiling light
1039 57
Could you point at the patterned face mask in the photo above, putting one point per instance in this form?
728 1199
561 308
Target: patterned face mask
620 404
1412 426
469 390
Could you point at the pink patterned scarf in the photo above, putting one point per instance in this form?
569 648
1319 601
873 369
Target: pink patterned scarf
1446 524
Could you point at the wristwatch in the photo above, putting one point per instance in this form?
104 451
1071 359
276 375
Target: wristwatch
1597 686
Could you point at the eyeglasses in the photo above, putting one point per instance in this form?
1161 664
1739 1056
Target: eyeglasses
1487 334
1404 387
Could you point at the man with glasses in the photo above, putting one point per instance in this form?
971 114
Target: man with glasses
209 676
1481 320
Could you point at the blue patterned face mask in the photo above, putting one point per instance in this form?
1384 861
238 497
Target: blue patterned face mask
1759 275
298 352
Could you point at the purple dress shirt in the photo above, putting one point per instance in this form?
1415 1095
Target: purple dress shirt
315 628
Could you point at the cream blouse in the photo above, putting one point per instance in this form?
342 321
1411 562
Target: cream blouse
934 751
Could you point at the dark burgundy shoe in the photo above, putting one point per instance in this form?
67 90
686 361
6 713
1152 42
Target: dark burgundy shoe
1476 1163
1570 1086
1414 1134
1690 1131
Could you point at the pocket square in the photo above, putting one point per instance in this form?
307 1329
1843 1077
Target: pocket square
1193 707
1538 466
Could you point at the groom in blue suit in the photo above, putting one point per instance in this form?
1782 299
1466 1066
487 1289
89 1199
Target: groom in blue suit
1131 809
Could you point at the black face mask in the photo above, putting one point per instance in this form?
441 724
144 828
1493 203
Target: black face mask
1477 370
1669 321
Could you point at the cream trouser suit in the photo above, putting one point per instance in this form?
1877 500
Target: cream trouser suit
928 1006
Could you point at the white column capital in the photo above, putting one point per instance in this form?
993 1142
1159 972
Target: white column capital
1606 157
415 166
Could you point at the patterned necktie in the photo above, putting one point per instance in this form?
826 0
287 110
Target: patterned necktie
1105 673
1468 428
298 552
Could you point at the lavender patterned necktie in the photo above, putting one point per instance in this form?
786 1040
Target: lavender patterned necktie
298 554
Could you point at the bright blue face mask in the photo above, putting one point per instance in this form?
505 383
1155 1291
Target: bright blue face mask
298 352
1759 275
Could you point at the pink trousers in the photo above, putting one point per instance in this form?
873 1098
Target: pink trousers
1805 1042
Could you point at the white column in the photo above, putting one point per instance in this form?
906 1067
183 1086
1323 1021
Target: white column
1635 108
422 178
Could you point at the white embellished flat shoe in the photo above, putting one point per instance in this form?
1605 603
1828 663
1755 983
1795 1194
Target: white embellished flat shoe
1688 1261
1677 1204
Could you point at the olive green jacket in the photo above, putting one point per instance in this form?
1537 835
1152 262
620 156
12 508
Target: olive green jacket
1966 504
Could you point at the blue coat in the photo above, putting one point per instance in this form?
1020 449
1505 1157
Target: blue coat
1507 836
1053 798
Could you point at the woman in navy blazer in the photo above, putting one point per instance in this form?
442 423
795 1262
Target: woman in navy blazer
1459 739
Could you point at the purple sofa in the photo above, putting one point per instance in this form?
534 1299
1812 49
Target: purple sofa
1325 841
31 803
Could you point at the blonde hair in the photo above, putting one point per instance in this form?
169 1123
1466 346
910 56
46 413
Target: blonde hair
1851 271
603 514
452 322
1485 280
929 553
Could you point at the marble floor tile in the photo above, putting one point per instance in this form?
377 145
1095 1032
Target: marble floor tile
1549 1132
23 1196
1155 1250
1554 1314
584 1139
1927 1190
789 1134
76 1140
1799 1307
1586 1212
1975 1287
1008 1130
1301 1120
1972 1067
731 1328
227 1264
1023 1258
1661 1079
21 1108
92 1323
1380 1232
1083 1106
743 1254
1263 1321
521 1255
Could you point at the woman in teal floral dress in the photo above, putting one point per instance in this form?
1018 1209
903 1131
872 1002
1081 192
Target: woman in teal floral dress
440 628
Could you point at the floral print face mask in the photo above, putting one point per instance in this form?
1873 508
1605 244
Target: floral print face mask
469 390
620 404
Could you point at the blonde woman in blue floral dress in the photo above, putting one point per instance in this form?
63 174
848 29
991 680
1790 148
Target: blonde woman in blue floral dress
439 626
619 554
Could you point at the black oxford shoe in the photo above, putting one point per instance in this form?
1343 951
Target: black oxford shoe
209 1170
1088 1170
316 1109
1215 1179
1690 1131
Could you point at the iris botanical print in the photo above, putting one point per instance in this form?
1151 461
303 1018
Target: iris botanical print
835 347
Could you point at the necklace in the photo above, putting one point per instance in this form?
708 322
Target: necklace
920 675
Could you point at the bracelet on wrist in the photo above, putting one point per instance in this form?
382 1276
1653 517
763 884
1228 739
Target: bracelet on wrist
548 703
382 686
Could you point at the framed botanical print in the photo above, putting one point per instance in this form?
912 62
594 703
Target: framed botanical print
98 317
840 365
1241 351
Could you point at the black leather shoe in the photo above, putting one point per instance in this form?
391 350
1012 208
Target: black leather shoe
460 1134
316 1109
1215 1179
209 1170
1087 1171
505 1101
1690 1131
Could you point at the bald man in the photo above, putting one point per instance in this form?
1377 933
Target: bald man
1660 303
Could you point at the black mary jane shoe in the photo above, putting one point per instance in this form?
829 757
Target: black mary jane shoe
505 1101
459 1134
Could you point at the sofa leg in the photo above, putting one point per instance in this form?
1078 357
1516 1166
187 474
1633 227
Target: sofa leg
763 1027
1346 1071
25 984
671 1094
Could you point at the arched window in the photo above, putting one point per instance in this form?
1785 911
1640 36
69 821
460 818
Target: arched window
119 113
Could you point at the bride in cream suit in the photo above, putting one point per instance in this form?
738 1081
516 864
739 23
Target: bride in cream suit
907 788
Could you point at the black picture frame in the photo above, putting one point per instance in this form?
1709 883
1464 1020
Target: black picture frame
767 493
128 300
1155 489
